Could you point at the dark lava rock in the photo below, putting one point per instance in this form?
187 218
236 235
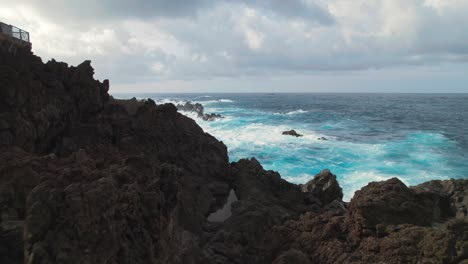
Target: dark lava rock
85 178
325 187
191 107
390 203
322 138
199 110
386 222
211 117
454 192
130 105
292 133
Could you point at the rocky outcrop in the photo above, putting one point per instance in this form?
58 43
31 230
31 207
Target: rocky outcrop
292 133
191 107
391 203
85 178
453 195
385 222
130 105
325 187
199 110
211 117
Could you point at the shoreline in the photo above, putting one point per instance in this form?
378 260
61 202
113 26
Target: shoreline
87 179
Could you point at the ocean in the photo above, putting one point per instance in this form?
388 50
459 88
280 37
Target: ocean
370 137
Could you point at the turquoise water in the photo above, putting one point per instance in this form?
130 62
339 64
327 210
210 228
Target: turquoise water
371 137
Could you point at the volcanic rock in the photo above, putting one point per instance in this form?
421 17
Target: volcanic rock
85 178
325 187
199 110
292 133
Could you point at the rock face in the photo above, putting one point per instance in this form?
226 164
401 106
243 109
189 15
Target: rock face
454 192
199 110
292 133
85 178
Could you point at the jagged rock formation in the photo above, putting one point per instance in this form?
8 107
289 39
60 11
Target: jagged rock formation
291 133
88 179
325 187
199 110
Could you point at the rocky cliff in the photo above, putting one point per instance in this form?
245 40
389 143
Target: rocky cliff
85 179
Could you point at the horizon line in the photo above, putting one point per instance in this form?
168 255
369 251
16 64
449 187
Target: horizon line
288 93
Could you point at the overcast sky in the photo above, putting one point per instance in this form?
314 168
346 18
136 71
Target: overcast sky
255 45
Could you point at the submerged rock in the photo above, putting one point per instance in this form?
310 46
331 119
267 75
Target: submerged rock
292 133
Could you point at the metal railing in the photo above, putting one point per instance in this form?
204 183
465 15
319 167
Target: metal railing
19 33
15 32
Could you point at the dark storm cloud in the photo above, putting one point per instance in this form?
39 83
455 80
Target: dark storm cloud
116 9
295 9
102 10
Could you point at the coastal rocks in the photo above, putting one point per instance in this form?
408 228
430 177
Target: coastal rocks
85 178
387 203
264 201
131 105
322 138
291 133
211 117
39 101
455 192
325 187
382 224
191 107
199 110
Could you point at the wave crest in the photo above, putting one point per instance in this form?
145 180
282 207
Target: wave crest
295 112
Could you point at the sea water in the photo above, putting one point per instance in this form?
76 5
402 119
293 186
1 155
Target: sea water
370 137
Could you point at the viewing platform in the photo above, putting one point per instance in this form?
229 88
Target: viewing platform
12 38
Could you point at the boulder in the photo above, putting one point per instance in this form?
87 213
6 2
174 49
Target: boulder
325 187
391 202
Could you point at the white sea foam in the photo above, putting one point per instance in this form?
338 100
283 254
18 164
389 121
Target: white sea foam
300 111
169 101
257 135
300 179
295 112
203 96
214 101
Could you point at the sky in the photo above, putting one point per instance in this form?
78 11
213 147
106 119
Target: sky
255 45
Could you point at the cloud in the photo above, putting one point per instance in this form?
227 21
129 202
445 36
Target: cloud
92 10
161 41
